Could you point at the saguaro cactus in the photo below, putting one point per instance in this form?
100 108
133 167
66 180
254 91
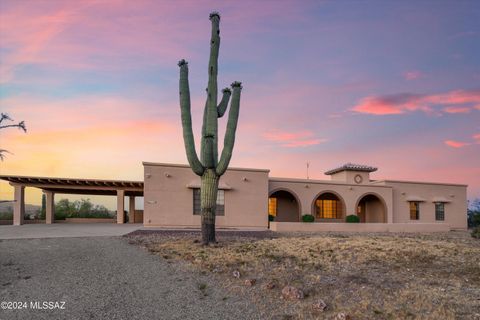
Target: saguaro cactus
209 167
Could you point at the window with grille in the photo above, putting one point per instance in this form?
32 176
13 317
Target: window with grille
328 209
414 210
439 211
272 206
220 211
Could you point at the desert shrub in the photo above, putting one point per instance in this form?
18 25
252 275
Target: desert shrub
271 217
476 232
308 218
473 213
6 215
352 219
80 209
476 219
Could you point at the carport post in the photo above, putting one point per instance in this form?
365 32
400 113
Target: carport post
120 206
50 207
19 204
131 209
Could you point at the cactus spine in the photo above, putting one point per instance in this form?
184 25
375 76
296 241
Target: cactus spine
209 167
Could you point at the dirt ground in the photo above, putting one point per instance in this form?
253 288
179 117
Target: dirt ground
364 276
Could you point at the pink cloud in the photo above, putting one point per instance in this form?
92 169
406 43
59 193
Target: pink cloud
412 75
456 144
303 143
460 144
476 137
389 104
457 109
293 139
453 102
94 35
119 34
79 111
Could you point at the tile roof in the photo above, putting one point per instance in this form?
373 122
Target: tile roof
351 167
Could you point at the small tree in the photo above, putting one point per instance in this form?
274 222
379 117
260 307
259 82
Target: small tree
20 125
44 206
473 213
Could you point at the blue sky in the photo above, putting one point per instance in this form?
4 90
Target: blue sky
394 84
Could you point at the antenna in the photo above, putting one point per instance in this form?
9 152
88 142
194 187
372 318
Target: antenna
308 166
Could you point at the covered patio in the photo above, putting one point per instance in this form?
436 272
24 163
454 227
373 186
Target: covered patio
50 186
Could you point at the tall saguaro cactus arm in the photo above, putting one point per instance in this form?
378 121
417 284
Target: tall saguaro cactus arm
229 139
212 90
222 106
188 138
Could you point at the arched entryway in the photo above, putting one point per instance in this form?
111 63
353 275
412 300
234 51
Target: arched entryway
371 209
284 206
329 207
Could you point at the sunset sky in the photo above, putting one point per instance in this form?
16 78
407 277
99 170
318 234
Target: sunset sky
393 84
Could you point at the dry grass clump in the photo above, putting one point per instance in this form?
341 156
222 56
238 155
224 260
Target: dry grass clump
366 276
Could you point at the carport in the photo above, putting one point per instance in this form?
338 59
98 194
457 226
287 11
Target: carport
50 186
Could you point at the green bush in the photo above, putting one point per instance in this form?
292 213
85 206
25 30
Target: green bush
476 232
308 218
271 217
80 209
6 215
352 219
476 219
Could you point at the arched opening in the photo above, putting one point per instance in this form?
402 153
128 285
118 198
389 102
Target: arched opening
371 209
329 207
284 206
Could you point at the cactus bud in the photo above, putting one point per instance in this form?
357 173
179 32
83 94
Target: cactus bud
237 84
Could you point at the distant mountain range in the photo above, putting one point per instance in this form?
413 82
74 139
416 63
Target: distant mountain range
29 208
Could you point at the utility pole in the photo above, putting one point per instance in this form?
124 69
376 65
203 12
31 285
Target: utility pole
308 166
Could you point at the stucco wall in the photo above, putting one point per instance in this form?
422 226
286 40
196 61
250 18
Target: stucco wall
307 192
375 211
358 227
169 202
287 210
455 209
349 177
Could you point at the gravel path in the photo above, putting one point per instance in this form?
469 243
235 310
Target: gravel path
106 278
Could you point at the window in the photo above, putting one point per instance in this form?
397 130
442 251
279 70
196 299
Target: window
220 211
414 210
328 209
328 206
272 207
439 211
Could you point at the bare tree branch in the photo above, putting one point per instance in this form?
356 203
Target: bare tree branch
2 154
21 125
5 116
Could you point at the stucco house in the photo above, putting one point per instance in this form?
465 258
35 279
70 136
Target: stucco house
245 196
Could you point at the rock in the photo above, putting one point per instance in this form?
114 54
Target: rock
319 305
250 282
292 293
236 274
270 285
342 316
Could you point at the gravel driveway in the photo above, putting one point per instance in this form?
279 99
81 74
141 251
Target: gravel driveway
106 278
